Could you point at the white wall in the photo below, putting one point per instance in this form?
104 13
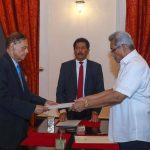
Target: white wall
60 25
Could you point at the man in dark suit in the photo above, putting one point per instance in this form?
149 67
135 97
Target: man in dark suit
69 87
17 103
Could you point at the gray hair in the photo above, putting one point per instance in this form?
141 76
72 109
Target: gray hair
121 37
14 38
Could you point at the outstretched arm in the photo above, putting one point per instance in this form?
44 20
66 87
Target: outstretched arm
106 98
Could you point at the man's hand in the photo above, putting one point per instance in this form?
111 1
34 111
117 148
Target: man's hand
49 102
40 109
63 116
94 116
79 105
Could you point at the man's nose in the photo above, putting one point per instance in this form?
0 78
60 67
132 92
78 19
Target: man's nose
26 50
80 50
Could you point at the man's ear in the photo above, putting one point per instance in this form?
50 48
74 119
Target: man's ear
124 46
126 49
11 46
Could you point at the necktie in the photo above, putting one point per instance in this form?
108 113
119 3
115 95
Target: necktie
19 75
80 81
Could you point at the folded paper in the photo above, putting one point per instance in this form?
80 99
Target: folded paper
58 106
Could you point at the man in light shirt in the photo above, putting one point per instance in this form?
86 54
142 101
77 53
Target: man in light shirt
129 98
69 85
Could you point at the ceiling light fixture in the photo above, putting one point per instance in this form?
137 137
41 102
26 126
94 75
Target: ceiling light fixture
80 5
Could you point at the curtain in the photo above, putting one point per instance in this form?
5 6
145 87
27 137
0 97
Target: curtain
23 16
138 25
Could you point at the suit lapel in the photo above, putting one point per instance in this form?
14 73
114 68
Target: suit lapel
13 68
87 77
74 74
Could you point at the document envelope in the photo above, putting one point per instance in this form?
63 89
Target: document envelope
58 106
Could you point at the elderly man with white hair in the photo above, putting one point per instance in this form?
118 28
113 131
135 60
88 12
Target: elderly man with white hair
129 98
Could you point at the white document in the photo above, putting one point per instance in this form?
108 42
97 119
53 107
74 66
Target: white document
68 123
57 106
92 139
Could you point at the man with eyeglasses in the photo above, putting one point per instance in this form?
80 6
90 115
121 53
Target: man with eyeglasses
129 124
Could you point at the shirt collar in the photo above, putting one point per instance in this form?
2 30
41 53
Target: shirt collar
129 57
84 61
15 63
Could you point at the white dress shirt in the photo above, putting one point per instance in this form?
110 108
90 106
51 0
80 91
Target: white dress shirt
130 120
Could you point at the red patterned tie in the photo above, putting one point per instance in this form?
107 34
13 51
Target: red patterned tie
80 81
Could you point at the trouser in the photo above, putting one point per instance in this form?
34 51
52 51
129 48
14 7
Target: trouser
19 148
134 145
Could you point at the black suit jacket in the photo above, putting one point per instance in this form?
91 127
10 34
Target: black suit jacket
67 85
16 105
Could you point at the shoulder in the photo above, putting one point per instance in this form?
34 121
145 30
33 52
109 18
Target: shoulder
68 63
4 65
93 63
4 61
138 64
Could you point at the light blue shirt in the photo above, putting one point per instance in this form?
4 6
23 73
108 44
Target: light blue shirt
15 63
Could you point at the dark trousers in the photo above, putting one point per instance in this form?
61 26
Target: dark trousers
19 148
134 145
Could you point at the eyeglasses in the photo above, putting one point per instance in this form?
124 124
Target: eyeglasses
114 49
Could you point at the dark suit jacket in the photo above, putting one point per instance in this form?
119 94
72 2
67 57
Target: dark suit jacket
67 85
16 106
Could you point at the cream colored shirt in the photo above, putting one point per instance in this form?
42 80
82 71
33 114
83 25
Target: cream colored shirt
130 120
